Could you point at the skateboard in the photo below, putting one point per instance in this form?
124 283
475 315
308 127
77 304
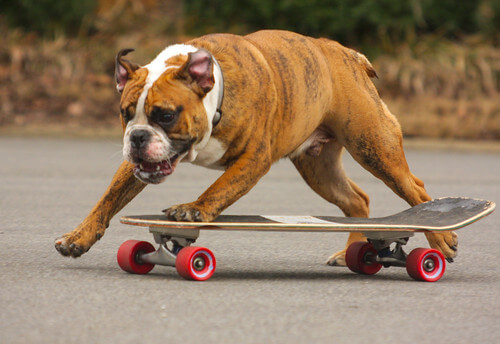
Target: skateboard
384 248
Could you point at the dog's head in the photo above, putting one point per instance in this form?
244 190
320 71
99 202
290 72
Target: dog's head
166 108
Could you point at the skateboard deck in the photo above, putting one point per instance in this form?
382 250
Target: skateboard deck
386 237
442 214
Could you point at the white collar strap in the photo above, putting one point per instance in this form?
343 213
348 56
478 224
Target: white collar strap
218 112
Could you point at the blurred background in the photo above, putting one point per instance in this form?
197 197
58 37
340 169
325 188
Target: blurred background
438 61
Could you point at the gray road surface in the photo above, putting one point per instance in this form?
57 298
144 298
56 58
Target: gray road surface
268 288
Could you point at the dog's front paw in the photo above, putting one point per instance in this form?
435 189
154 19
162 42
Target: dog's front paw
79 241
187 212
446 242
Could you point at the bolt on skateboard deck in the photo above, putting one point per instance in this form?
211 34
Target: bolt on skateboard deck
386 236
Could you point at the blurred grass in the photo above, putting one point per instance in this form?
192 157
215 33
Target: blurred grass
437 86
440 88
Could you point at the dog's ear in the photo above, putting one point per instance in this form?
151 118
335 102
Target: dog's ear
198 72
123 69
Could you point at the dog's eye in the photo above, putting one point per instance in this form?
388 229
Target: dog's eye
167 117
164 116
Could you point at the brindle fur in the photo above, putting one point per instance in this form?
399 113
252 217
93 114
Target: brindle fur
279 87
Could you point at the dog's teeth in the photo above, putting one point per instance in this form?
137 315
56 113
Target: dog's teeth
158 167
141 167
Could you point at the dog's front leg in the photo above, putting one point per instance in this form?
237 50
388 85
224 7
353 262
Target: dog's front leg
122 189
238 179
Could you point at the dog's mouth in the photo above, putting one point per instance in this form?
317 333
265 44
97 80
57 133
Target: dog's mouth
155 172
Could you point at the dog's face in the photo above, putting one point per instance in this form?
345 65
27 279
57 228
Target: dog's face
163 109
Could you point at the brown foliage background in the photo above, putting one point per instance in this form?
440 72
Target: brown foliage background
437 87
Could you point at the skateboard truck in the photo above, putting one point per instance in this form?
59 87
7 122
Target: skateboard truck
193 263
391 257
368 258
165 255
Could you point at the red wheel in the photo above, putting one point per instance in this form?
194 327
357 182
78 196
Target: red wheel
195 263
425 264
128 256
360 258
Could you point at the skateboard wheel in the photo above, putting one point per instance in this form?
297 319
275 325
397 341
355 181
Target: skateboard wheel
360 258
128 256
425 264
195 263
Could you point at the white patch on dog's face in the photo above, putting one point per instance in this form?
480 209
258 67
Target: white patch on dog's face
155 69
157 149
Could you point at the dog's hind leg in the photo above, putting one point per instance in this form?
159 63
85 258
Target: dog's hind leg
374 139
324 173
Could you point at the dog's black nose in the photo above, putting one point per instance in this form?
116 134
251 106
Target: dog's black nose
139 138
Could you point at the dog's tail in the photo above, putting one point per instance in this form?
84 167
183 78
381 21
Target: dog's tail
367 66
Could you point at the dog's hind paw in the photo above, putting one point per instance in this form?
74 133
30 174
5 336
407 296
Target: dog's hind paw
446 242
337 259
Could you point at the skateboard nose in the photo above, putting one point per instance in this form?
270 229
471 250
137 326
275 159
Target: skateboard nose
139 138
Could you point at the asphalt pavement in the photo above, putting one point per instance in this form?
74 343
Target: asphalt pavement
268 287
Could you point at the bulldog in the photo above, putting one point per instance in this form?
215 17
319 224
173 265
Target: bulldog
240 103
